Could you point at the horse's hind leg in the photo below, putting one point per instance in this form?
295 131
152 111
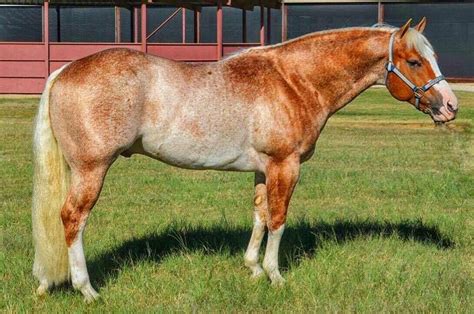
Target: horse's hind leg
260 216
83 194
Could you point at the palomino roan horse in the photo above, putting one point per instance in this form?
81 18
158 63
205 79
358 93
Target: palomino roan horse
261 110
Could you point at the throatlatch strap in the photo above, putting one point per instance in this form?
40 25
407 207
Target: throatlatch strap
395 70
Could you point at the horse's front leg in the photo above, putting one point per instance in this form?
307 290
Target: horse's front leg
281 180
260 217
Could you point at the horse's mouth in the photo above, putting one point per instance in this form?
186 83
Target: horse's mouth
440 116
440 119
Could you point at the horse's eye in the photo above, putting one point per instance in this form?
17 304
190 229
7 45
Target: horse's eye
414 63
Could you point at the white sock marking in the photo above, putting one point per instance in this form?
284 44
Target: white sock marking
251 255
270 262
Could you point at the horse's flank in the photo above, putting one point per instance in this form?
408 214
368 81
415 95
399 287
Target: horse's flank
232 115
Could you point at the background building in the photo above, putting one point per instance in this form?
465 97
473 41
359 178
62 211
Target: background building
203 31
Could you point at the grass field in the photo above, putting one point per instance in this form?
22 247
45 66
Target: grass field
382 220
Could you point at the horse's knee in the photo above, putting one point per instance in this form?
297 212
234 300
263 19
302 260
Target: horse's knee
276 221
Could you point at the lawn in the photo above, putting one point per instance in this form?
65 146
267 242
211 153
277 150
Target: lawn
382 220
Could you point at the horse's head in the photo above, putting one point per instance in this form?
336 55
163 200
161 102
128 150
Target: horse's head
413 74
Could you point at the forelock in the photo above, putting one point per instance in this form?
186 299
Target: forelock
415 39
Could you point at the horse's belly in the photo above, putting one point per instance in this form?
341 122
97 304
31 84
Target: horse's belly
190 154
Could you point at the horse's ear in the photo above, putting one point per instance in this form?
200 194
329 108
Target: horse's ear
420 27
402 31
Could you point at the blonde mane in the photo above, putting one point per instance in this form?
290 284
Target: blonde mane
412 37
307 36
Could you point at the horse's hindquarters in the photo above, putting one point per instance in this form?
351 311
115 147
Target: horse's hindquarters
96 109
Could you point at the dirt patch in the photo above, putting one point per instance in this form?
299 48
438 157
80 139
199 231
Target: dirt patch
456 127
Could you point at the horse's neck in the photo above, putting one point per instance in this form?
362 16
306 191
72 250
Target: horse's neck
338 65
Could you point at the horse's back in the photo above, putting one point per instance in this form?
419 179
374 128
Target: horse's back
194 116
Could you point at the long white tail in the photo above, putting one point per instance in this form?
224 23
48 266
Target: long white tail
50 186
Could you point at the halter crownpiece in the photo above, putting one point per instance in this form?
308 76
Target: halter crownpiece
418 91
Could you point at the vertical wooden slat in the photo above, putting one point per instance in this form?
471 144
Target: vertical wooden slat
219 29
380 11
117 24
262 24
244 25
183 25
284 22
197 26
58 23
46 37
269 25
135 24
143 26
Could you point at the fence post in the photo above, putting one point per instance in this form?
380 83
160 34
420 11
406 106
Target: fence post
284 22
183 24
219 29
269 25
380 12
197 26
262 24
46 37
143 26
117 24
244 25
135 24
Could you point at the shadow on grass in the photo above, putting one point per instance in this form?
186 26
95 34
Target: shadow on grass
299 240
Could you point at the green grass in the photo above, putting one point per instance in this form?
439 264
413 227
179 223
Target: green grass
382 220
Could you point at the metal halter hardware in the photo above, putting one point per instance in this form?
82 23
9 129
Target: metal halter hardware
418 91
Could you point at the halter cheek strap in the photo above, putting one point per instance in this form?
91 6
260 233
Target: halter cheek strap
418 91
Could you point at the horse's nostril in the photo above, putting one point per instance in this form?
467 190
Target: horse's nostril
451 107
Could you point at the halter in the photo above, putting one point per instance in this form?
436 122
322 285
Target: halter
418 91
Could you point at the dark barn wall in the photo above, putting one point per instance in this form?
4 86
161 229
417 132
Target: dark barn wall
232 31
209 24
308 18
66 24
21 23
450 25
233 25
171 32
126 25
82 24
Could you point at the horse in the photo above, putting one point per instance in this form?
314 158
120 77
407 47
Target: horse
261 110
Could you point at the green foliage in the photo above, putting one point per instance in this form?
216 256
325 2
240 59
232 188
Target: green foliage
380 221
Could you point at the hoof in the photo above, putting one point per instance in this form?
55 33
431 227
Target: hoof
277 280
257 272
90 295
41 290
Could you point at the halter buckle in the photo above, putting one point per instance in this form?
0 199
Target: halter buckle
390 66
419 92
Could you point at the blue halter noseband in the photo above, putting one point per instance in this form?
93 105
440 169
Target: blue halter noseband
418 91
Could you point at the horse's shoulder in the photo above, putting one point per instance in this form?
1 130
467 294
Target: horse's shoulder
249 67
